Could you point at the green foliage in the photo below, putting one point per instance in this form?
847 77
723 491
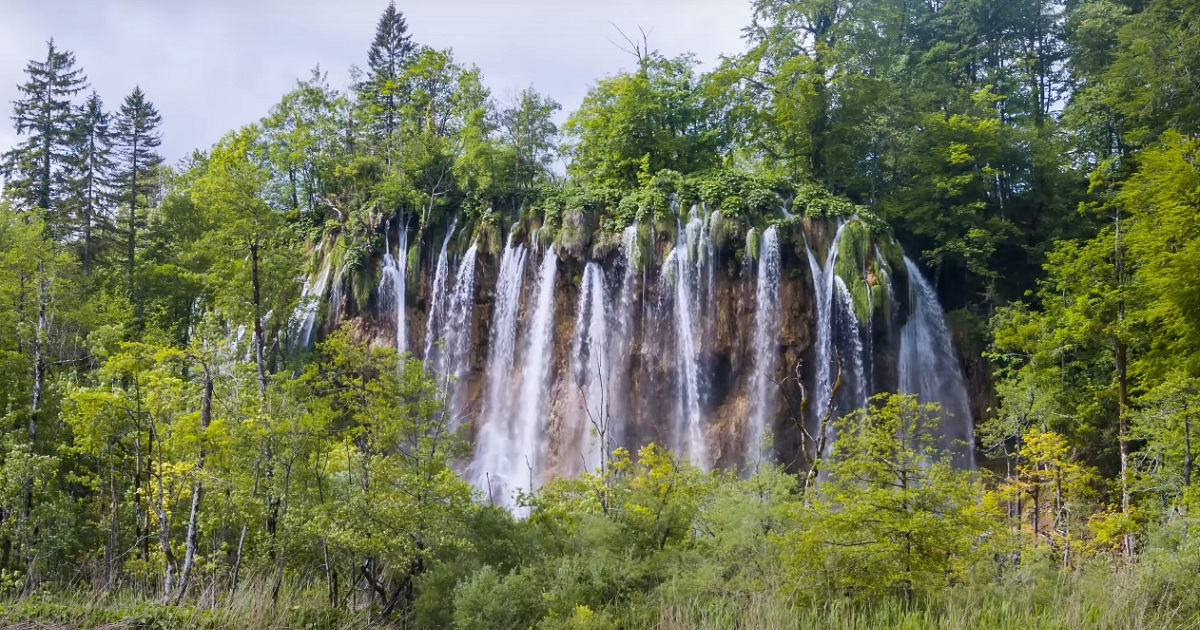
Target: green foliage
894 516
165 443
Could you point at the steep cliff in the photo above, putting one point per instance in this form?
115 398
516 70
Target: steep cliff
725 342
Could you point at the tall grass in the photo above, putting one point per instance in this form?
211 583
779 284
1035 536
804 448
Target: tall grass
1095 598
250 608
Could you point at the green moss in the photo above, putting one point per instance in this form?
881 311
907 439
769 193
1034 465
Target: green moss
752 242
861 269
604 244
573 237
724 232
362 281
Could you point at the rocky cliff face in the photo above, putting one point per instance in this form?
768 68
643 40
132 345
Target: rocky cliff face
658 337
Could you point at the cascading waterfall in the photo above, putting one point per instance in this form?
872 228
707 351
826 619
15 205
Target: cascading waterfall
591 365
489 467
456 334
436 299
310 302
527 446
686 268
851 332
392 287
929 366
766 333
512 443
633 379
823 284
621 337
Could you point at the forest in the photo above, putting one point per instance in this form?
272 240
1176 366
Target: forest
224 402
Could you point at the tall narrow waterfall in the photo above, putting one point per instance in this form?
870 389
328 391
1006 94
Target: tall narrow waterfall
494 433
851 338
456 335
929 366
592 368
392 289
762 390
621 345
437 299
528 444
823 285
688 268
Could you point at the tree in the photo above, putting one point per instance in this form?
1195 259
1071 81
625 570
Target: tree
387 60
254 266
136 138
91 165
35 169
894 515
528 126
401 501
657 113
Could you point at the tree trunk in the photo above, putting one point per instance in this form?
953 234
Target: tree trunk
197 487
259 338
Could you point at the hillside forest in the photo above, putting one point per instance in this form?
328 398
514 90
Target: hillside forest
192 437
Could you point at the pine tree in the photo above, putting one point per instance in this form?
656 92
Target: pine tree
35 169
386 61
136 138
91 165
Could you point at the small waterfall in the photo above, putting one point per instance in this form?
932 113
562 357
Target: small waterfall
456 334
494 433
392 289
310 302
850 333
929 366
766 341
592 368
436 299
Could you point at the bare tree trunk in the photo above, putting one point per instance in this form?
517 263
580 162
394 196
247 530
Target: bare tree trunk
197 487
259 337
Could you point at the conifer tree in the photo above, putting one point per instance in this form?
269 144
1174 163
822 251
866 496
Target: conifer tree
91 165
386 60
35 168
136 138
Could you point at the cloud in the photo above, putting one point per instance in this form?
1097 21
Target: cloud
212 66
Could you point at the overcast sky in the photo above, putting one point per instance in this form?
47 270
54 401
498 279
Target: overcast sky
212 65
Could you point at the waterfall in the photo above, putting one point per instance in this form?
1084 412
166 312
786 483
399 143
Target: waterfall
310 302
766 341
823 285
929 366
456 334
688 268
591 365
851 335
510 450
437 296
494 433
392 289
528 444
621 340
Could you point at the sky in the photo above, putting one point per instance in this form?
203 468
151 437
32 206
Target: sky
213 65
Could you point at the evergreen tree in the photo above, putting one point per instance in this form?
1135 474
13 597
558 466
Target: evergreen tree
35 168
91 165
136 138
386 60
